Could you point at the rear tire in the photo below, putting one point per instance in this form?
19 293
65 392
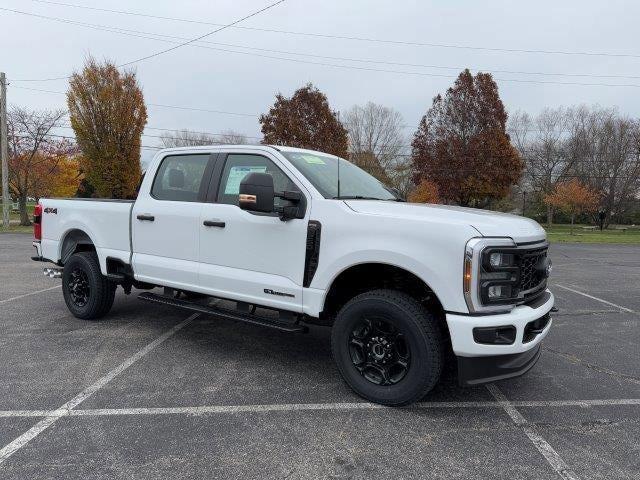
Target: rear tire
387 347
87 293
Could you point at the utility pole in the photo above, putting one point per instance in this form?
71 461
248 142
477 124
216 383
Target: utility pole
4 152
524 201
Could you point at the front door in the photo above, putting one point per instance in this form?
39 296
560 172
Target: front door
166 219
251 257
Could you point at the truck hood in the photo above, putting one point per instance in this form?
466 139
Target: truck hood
488 223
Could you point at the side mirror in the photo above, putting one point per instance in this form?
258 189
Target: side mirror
257 193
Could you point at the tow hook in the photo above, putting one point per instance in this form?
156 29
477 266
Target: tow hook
53 272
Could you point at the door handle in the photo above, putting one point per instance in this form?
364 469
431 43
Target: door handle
213 223
148 218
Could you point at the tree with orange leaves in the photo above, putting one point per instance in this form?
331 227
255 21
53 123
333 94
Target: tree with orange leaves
108 115
34 154
462 146
63 178
425 192
573 198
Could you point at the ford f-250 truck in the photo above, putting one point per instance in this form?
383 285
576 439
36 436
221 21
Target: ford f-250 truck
292 237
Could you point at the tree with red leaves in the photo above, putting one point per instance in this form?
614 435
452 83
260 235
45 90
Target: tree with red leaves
462 146
306 121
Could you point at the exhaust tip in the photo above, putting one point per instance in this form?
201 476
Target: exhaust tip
52 272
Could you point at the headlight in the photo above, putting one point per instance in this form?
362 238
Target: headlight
497 259
498 274
491 274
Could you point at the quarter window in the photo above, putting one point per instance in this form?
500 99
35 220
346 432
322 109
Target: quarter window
180 178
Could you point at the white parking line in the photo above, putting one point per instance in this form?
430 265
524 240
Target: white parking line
547 451
624 309
29 294
293 407
66 408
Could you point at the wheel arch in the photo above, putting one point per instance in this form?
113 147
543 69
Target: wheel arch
74 240
365 276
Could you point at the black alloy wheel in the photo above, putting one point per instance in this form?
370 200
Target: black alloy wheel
379 351
79 288
87 292
388 348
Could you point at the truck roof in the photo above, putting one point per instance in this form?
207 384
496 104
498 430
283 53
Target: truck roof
281 148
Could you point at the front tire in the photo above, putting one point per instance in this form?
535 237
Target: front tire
87 293
387 347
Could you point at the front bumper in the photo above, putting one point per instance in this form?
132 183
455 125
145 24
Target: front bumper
475 370
461 329
486 362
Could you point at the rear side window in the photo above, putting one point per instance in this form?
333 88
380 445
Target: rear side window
240 165
180 178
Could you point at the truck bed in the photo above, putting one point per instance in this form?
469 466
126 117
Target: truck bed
106 221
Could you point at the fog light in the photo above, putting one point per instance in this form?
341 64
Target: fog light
495 335
499 291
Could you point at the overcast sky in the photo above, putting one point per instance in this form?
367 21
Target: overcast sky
35 48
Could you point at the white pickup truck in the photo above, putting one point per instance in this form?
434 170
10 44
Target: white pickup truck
292 237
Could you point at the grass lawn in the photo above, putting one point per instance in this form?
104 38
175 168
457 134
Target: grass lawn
15 229
561 233
14 217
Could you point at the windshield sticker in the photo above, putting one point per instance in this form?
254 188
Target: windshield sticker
236 174
313 160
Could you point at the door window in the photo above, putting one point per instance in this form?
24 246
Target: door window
180 178
240 165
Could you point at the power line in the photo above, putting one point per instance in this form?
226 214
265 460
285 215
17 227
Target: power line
145 35
178 131
201 132
182 107
351 38
67 137
175 47
445 169
162 52
161 105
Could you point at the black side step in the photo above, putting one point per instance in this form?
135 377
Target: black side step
220 312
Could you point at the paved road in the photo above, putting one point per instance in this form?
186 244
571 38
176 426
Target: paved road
151 392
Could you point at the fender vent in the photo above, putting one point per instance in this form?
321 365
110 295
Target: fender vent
312 254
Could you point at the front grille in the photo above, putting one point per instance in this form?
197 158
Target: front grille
532 277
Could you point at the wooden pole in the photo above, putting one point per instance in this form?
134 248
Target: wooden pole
4 152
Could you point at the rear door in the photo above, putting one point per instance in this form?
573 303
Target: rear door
247 256
165 221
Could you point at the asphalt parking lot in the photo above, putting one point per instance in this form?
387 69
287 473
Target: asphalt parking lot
152 392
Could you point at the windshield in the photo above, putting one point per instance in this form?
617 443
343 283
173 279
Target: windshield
322 172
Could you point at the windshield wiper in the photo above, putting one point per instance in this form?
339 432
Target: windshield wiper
355 197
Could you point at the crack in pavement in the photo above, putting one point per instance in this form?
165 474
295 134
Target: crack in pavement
579 361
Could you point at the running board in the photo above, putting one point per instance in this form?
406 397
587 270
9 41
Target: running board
220 312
